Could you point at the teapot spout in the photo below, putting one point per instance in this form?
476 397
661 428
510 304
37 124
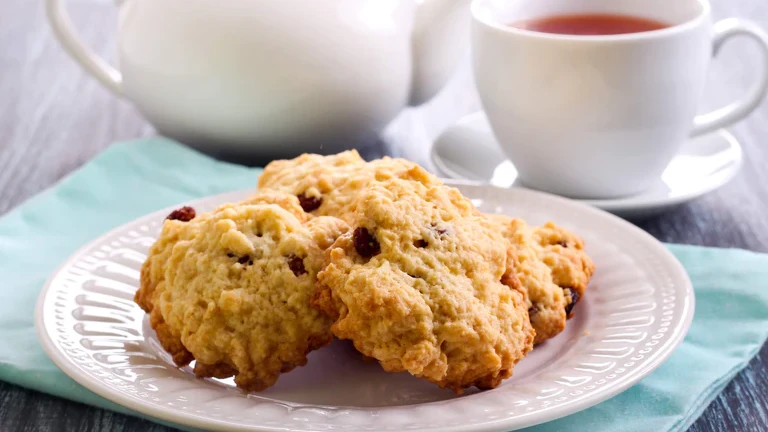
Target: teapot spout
440 43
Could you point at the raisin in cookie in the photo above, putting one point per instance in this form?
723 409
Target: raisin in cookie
329 185
175 227
417 285
554 269
235 288
181 224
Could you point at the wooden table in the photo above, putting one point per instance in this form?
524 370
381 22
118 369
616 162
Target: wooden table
54 118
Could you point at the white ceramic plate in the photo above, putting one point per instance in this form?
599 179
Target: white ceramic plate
636 311
468 150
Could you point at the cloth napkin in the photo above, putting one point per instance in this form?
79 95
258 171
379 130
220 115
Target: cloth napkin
134 178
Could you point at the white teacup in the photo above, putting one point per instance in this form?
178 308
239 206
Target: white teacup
601 116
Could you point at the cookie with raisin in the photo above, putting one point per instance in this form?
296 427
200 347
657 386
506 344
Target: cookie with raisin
330 185
419 285
553 268
232 289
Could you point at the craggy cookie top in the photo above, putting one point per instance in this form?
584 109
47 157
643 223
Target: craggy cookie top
554 269
236 287
176 227
417 285
329 185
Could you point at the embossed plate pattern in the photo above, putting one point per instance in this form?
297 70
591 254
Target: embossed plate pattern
636 311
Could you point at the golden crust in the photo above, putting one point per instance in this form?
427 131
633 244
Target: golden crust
231 289
551 264
330 184
423 292
153 268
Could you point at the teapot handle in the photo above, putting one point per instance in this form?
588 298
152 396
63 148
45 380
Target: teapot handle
95 65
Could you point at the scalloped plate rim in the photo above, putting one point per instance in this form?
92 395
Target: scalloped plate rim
194 420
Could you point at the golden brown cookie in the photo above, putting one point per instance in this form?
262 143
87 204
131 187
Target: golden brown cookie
552 267
329 185
417 285
234 289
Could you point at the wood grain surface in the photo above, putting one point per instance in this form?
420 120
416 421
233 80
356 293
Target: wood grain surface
54 118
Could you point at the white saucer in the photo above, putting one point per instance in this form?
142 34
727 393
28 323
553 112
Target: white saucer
469 151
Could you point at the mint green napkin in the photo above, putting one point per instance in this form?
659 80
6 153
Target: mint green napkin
132 179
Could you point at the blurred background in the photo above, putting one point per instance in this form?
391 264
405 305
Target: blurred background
54 117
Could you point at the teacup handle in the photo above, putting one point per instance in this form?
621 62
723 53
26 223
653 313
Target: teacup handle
736 111
95 65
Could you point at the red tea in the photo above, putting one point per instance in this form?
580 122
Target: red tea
590 24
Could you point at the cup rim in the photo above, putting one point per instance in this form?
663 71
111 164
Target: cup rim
703 15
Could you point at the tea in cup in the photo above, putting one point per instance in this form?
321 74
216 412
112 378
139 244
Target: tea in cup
593 99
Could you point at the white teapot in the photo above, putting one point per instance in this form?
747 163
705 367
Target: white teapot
270 78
